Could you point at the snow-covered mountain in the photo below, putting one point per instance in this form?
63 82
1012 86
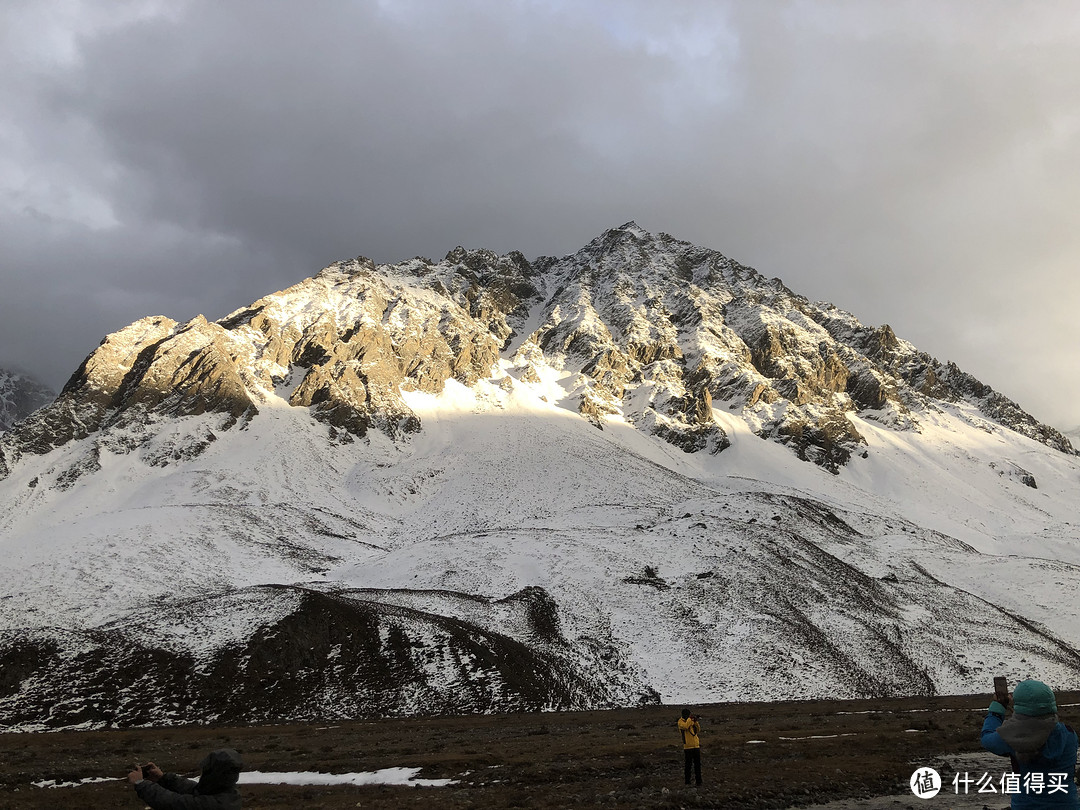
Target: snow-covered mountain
641 472
20 396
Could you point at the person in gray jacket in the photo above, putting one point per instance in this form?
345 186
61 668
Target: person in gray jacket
215 790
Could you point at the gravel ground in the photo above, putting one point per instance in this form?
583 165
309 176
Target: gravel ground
816 754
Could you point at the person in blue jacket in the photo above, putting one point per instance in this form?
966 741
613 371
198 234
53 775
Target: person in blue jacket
1042 749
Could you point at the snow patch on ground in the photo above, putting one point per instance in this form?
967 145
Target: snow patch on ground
384 776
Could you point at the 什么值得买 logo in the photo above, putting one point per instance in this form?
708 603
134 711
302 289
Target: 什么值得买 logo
926 783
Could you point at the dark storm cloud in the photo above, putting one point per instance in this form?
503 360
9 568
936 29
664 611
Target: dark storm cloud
317 127
909 161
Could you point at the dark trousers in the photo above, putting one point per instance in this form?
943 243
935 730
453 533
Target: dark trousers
693 759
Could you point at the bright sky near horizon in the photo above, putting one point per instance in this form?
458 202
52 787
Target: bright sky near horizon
912 162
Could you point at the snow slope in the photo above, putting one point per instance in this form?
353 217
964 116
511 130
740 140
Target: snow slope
706 576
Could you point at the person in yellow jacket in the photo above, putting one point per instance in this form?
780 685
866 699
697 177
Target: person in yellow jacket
691 744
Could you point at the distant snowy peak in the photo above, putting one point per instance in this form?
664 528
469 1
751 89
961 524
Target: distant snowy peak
20 396
638 327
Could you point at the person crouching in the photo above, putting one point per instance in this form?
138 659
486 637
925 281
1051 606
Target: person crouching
215 790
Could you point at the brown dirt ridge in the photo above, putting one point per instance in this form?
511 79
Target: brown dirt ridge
755 755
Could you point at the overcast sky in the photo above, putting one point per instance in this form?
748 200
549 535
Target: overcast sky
916 163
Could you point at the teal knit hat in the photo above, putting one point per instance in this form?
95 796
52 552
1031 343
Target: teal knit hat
1033 698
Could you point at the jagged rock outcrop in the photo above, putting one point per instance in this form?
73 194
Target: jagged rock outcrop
634 326
358 340
664 332
153 368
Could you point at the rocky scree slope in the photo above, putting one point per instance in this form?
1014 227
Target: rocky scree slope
309 655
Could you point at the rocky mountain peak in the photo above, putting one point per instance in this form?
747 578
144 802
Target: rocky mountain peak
644 328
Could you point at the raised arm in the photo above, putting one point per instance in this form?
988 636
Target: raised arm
991 740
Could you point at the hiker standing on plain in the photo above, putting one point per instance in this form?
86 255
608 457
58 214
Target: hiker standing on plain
1042 749
215 790
690 728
